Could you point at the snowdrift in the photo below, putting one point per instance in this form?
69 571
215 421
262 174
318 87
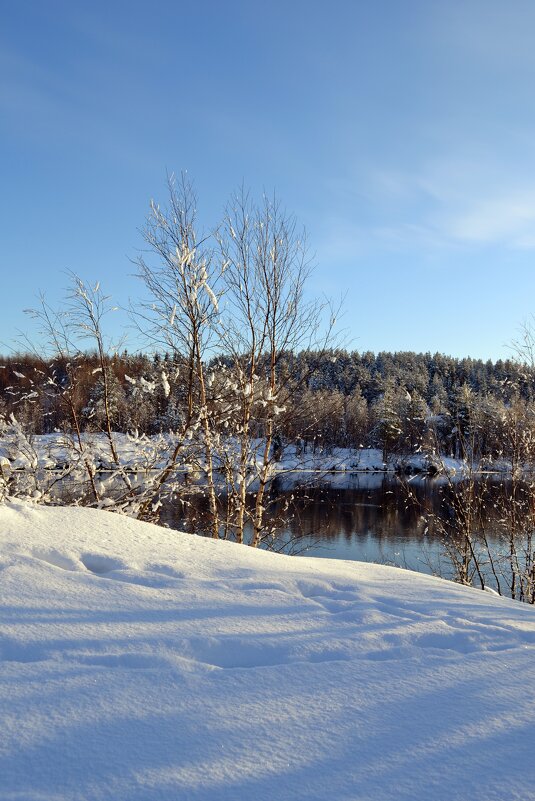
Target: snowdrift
138 664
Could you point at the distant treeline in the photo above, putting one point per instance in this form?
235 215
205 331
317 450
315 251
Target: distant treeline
401 402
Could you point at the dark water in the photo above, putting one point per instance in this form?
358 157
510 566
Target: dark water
369 518
373 517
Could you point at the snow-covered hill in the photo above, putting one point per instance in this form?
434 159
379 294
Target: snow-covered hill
141 664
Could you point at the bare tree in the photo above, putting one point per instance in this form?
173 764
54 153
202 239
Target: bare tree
266 267
181 311
61 363
87 308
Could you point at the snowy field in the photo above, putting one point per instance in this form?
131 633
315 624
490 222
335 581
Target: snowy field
141 664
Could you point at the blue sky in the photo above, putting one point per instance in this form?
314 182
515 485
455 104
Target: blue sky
401 134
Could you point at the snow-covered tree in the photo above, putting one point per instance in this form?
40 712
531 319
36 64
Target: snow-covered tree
265 266
181 313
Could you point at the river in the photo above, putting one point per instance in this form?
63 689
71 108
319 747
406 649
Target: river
371 517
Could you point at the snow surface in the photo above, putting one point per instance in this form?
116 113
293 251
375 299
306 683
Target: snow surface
138 664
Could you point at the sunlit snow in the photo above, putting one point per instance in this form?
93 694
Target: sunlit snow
141 664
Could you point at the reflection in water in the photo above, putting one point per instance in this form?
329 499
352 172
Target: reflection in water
370 518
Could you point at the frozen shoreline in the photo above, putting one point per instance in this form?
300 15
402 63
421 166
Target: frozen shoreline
49 451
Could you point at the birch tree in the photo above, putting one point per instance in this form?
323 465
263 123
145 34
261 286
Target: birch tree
180 314
266 266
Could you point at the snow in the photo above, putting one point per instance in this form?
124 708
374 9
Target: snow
138 663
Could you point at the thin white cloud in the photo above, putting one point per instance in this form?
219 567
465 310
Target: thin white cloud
507 219
448 203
